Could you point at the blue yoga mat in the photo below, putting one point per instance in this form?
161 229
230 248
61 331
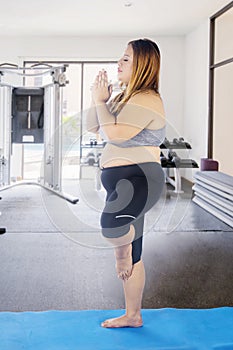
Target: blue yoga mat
164 329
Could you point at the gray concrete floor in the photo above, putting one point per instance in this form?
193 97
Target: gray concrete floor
52 255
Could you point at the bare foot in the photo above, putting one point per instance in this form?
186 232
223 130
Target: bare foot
122 321
124 264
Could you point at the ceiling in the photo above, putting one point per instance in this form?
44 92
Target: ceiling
104 17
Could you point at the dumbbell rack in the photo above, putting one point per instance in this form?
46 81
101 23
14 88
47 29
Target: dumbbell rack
96 149
176 163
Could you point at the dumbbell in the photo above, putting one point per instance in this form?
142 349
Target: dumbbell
166 143
178 141
163 159
93 142
184 143
90 158
174 158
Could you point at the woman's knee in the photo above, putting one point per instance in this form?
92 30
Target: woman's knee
119 236
112 227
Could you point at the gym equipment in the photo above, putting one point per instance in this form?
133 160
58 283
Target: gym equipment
217 180
33 115
174 158
176 162
173 161
93 142
213 191
175 144
27 115
91 158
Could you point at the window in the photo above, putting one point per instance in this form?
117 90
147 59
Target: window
76 98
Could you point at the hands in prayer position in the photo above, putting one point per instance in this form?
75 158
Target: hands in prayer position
101 90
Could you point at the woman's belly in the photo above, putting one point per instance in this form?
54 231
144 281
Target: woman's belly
117 156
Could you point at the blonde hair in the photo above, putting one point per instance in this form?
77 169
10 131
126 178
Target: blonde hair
145 72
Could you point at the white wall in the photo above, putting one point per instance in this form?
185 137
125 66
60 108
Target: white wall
196 92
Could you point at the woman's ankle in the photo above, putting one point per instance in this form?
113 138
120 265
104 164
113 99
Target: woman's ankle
134 316
123 252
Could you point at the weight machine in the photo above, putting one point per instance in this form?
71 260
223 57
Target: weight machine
33 115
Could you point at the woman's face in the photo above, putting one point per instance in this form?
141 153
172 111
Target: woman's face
125 65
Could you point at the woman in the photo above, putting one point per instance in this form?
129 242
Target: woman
133 125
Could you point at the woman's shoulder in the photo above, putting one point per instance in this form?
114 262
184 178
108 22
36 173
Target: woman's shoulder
148 99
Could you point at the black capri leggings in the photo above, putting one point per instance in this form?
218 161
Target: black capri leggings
132 190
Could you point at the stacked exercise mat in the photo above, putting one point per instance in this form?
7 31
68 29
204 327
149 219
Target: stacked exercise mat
213 191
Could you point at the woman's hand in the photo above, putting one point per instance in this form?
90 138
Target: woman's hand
101 91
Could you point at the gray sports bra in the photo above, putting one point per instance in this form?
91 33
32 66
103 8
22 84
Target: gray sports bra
146 137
